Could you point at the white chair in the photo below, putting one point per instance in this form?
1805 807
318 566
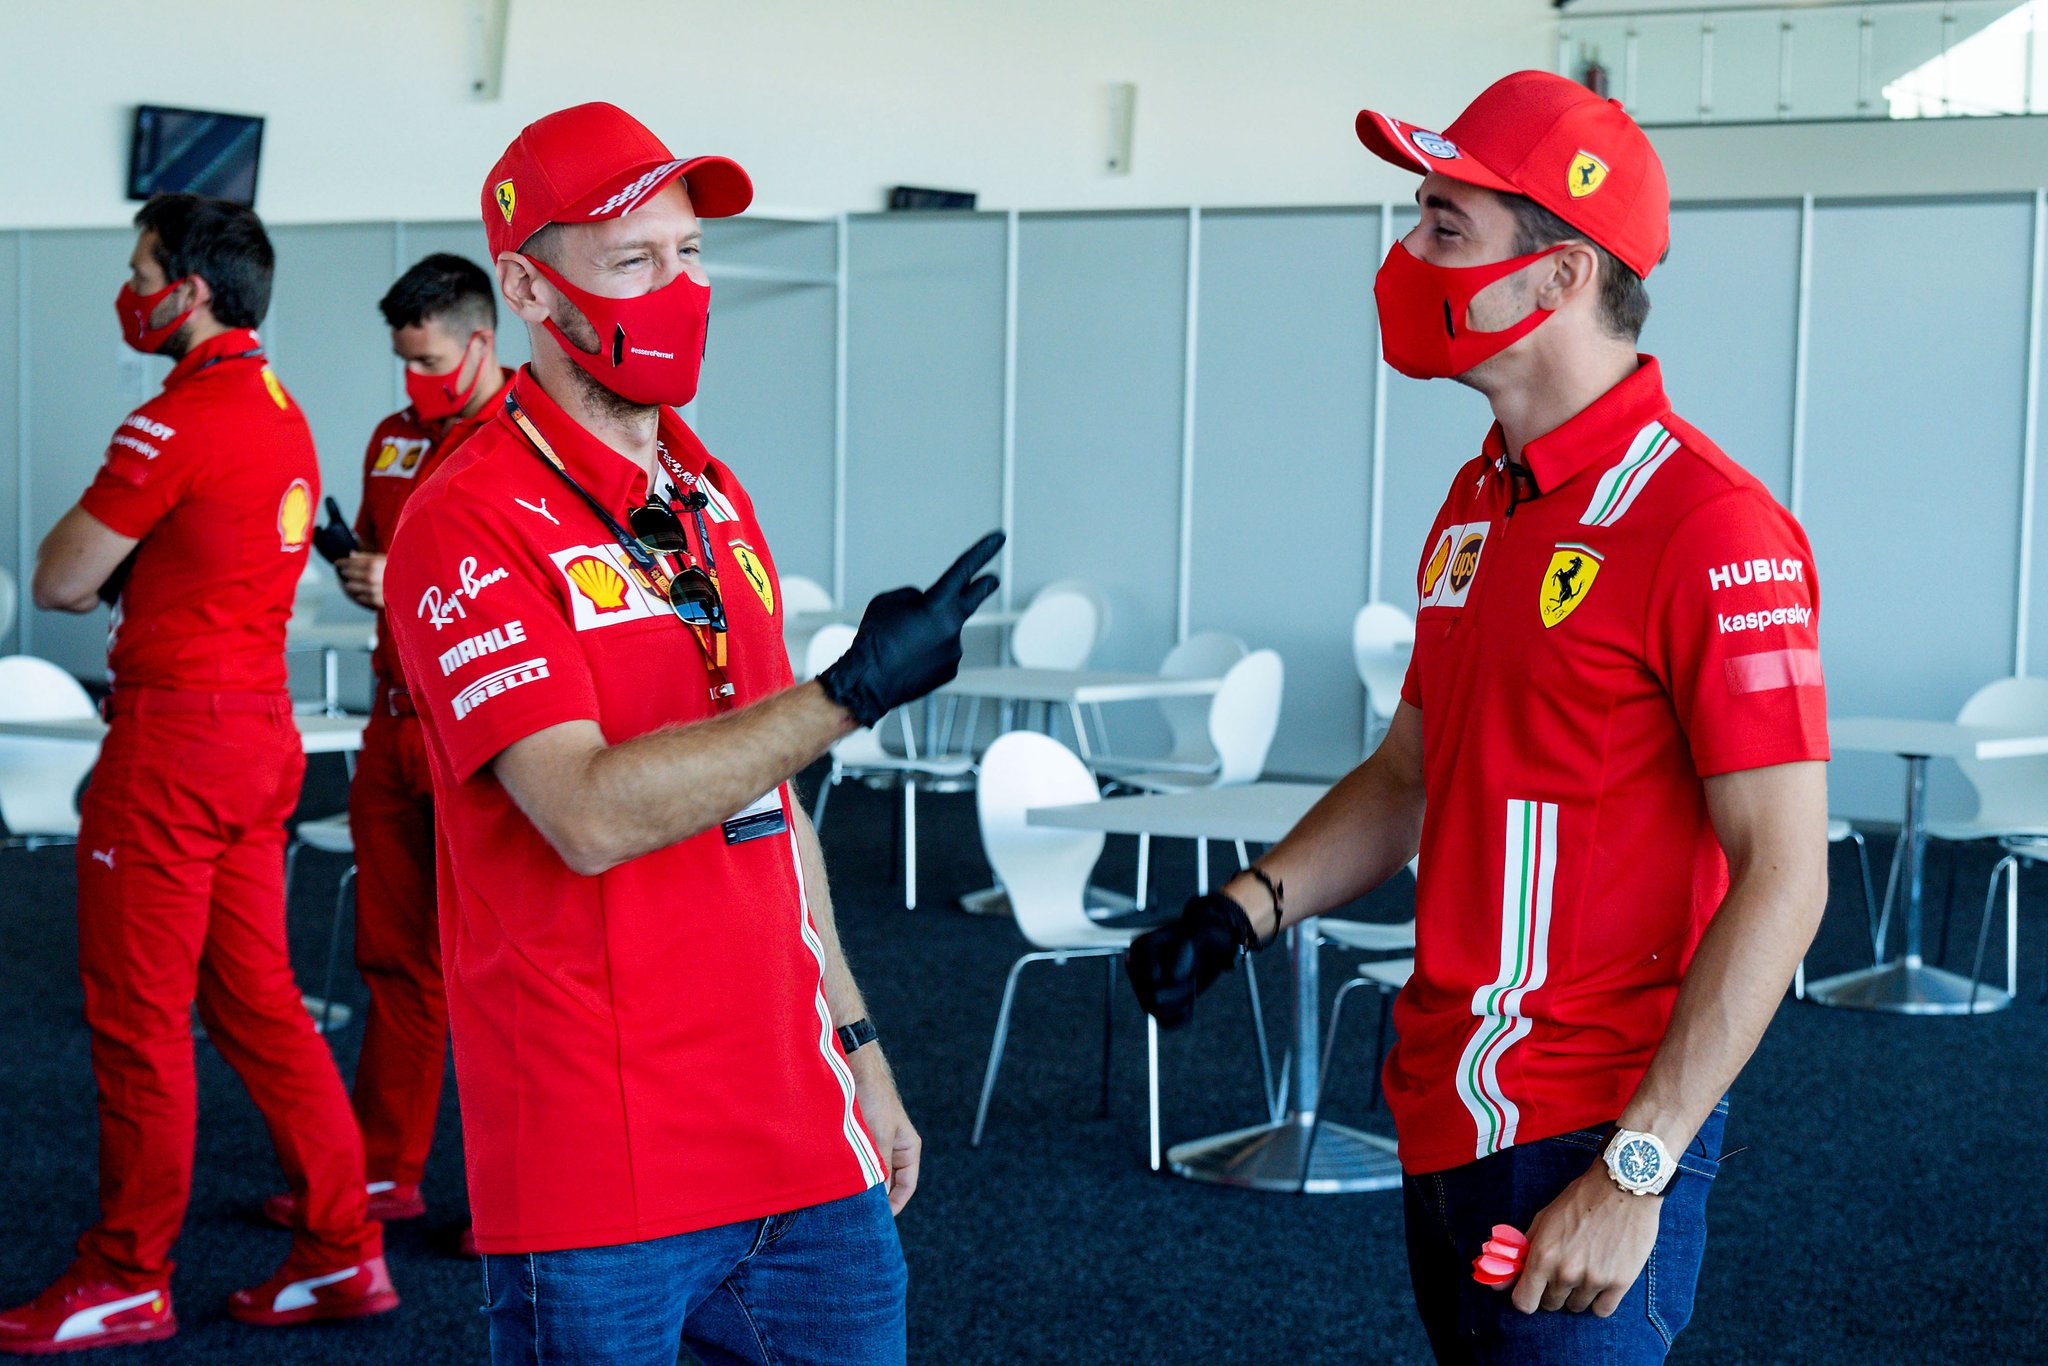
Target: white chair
1060 629
1208 654
39 778
861 755
326 835
2012 807
1045 871
1244 714
1382 641
800 594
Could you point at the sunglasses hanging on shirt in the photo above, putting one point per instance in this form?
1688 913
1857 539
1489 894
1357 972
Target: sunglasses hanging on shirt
691 592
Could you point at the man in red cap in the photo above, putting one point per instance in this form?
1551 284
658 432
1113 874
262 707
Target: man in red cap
677 1122
196 529
443 318
1610 752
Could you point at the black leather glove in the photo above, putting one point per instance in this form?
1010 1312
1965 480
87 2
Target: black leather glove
1175 963
909 642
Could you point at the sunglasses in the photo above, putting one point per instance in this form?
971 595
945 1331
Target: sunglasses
691 594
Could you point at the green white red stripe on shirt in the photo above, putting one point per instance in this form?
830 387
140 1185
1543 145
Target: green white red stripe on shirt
1529 869
1618 487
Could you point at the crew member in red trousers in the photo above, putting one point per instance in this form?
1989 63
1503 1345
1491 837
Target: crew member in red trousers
195 528
443 317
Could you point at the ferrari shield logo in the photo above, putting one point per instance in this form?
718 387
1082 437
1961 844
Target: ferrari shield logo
507 197
1566 583
1586 175
757 575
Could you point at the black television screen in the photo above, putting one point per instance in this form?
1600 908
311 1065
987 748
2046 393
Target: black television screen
190 149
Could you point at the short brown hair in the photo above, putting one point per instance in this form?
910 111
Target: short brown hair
1624 299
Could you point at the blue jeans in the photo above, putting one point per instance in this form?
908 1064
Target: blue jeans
822 1286
1450 1214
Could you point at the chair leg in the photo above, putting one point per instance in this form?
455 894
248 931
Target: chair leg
1869 894
909 842
1891 887
824 793
1108 1027
1152 1084
995 1047
1144 870
1315 1127
2009 868
2012 934
1274 1100
1202 866
341 892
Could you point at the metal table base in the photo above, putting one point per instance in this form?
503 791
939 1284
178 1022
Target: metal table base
1909 987
1270 1157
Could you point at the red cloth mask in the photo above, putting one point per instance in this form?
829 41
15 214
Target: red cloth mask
435 397
1422 313
135 311
653 344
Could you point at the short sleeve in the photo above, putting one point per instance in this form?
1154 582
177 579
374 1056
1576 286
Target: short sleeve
487 652
148 469
1734 635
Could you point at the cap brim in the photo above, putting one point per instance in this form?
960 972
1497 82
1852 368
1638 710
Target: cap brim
718 189
1408 146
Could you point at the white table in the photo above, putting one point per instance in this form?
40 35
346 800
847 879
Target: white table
1274 1156
1074 689
319 734
332 639
1909 985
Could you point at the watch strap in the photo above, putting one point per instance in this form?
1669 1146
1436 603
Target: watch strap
853 1036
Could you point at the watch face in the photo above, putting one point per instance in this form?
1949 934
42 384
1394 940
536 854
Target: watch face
1637 1163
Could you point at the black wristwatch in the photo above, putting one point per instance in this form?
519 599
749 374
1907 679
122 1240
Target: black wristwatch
853 1036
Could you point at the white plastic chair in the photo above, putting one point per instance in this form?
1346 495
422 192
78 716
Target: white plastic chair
861 755
39 778
800 594
1207 654
1244 714
1045 871
1382 641
1060 629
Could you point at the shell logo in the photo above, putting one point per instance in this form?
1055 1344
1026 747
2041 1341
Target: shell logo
386 458
295 515
276 389
599 582
412 457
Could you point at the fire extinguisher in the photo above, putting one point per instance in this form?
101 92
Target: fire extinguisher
1595 75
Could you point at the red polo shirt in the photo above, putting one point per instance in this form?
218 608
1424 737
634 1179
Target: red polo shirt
216 477
403 451
1596 635
648 1051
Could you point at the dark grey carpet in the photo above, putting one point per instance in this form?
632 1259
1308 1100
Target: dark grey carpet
1887 1208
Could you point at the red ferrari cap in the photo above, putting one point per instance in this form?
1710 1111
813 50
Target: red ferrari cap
1539 134
594 162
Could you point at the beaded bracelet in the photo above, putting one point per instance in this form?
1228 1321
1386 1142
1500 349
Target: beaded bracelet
1273 890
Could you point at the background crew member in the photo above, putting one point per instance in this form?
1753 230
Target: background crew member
1610 745
205 507
673 1105
443 317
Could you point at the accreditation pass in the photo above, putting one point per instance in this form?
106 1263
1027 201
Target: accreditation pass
762 817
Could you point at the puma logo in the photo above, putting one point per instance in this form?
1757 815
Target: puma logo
105 856
541 510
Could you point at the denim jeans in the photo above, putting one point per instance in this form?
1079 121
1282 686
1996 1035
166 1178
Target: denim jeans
1450 1214
822 1286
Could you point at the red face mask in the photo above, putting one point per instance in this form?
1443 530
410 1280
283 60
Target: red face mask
135 311
653 344
435 397
1422 313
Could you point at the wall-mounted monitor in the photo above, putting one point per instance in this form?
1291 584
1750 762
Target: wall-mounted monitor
196 151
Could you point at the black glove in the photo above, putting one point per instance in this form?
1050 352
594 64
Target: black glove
335 541
1175 963
909 642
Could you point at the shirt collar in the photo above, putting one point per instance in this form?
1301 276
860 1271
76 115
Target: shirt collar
1593 434
225 346
610 477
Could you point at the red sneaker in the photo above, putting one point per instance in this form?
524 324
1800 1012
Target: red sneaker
301 1294
388 1201
81 1310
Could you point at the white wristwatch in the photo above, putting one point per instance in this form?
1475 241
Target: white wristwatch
1639 1163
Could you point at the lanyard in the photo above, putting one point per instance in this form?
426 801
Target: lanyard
255 354
710 643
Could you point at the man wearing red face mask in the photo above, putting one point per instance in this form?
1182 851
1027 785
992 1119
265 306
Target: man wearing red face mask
1609 750
196 527
444 321
678 1124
